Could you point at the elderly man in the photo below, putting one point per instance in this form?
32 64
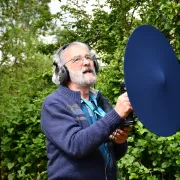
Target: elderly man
81 127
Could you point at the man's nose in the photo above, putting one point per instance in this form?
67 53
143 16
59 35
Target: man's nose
86 61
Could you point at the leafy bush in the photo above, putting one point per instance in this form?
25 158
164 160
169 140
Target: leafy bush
23 151
151 157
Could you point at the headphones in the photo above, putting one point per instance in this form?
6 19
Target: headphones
62 72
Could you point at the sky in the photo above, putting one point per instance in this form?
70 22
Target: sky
55 5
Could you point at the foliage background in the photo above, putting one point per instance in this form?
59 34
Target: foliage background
25 71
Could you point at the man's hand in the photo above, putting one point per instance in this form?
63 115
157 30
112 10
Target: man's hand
123 106
120 136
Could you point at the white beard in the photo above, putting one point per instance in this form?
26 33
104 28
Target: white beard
81 79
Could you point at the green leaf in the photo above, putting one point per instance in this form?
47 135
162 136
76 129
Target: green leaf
10 165
154 163
20 159
178 161
10 130
133 176
11 176
152 178
165 165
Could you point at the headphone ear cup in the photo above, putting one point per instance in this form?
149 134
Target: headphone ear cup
96 65
94 57
63 75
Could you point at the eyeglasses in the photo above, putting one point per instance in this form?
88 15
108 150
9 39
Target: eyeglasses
80 59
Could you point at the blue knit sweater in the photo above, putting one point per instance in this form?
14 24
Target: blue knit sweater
72 144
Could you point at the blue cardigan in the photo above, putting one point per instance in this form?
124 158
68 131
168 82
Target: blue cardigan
72 144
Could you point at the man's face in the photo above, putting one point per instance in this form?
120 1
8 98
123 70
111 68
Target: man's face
81 67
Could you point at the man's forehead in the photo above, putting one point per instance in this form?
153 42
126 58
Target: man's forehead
76 47
75 50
